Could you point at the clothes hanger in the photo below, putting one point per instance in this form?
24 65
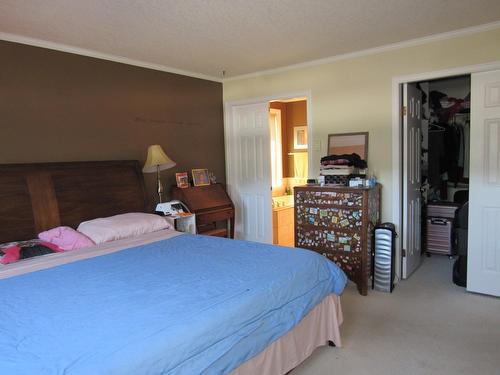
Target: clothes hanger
434 128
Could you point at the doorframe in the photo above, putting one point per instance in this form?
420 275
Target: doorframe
397 141
228 107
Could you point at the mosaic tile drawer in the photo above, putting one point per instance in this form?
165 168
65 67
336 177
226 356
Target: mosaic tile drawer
337 222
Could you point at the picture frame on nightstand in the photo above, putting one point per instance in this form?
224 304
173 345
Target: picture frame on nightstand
200 177
182 180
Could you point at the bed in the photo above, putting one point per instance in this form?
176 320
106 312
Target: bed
160 303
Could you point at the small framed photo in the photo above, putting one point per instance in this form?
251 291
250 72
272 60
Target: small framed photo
182 180
200 177
300 137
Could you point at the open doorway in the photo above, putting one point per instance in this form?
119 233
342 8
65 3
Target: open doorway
483 252
250 160
437 154
289 162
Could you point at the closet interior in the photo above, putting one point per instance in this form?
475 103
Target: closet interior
445 168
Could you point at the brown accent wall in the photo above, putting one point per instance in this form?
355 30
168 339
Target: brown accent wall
56 106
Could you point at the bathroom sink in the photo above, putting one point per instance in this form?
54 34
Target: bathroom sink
284 201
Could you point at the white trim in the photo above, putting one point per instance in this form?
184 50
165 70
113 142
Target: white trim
299 95
384 48
397 81
371 51
397 164
103 56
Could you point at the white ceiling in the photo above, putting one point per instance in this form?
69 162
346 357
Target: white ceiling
238 36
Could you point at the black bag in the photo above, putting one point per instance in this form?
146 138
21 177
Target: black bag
459 241
460 271
460 230
34 251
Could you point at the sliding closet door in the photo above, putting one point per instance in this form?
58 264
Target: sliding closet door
249 170
483 271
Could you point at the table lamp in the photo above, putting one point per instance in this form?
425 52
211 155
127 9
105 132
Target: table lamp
157 161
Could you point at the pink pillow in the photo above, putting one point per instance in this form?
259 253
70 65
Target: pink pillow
66 238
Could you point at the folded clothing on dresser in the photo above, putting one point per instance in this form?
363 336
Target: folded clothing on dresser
344 159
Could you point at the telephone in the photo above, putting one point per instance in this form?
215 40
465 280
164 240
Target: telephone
171 208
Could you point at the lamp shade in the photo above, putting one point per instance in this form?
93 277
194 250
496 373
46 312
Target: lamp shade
157 159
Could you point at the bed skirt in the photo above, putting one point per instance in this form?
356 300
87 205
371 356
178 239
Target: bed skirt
318 327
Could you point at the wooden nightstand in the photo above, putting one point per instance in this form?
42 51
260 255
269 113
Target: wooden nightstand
183 223
212 206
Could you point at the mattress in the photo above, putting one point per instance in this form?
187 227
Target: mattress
181 305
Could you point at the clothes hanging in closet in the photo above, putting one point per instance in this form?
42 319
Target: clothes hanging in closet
461 123
449 140
467 149
437 157
452 147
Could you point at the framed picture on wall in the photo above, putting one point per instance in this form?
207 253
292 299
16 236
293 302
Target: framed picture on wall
182 180
300 137
200 177
349 143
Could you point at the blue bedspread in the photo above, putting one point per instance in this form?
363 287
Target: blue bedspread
185 305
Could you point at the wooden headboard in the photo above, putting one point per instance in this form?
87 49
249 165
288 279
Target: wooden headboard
39 196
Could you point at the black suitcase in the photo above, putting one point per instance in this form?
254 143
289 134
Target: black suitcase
460 234
460 271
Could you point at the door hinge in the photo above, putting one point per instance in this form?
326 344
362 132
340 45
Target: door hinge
403 111
403 253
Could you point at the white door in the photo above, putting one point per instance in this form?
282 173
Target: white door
249 171
412 122
483 269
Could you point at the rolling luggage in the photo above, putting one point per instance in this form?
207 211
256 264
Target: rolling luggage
439 227
442 209
439 235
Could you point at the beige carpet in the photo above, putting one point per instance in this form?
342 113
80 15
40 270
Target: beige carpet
427 325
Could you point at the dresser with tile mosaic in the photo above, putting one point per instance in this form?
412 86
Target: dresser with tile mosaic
337 222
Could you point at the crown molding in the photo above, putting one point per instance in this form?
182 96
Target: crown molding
103 56
351 55
372 51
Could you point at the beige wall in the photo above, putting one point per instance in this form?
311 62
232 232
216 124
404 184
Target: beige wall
355 95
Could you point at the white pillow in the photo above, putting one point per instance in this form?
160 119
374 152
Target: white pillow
122 226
